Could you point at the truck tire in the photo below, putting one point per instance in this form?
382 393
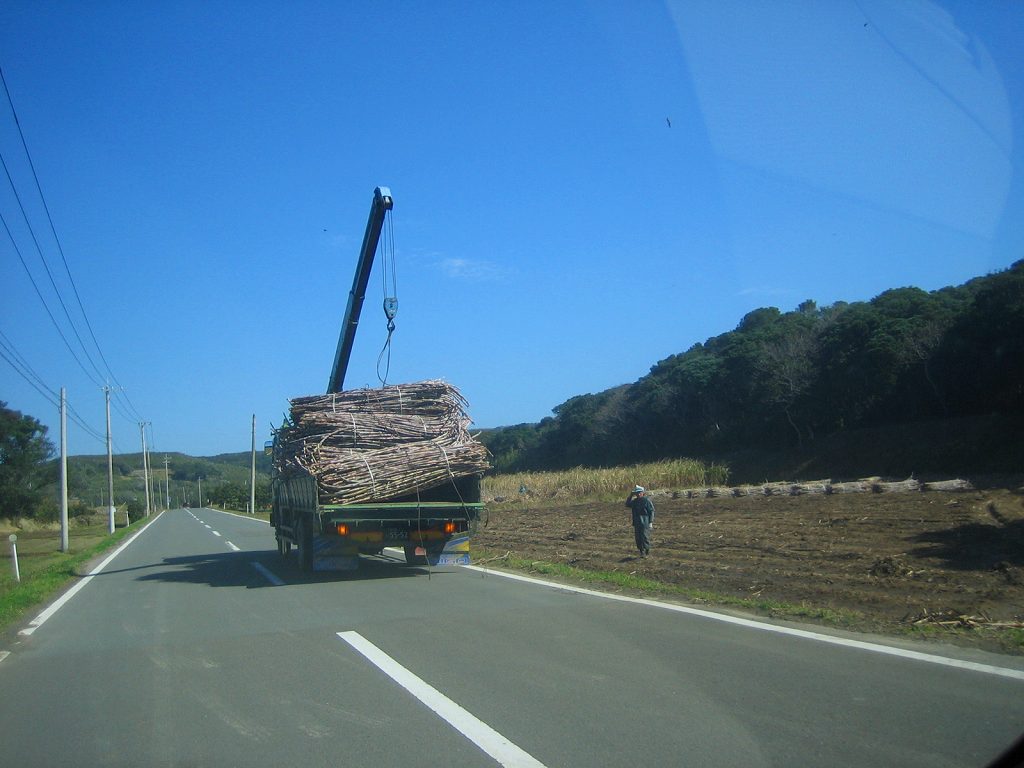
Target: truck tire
305 536
411 558
284 547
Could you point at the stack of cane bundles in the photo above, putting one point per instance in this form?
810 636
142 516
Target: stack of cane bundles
366 445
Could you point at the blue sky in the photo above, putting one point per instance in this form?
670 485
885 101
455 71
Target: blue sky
581 189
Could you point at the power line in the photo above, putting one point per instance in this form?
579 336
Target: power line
53 230
42 389
72 413
8 345
119 391
46 306
21 366
46 266
122 403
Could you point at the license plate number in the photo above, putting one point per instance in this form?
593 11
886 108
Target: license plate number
395 533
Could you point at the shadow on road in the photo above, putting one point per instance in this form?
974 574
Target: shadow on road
370 569
238 569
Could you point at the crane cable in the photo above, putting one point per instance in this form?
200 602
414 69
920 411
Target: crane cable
390 301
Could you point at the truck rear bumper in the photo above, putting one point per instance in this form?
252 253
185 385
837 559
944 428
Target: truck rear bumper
332 554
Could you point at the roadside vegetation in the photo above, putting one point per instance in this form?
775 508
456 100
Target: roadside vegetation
45 570
605 483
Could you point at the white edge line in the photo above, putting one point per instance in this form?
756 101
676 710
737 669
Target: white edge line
4 655
474 729
57 604
989 669
236 514
232 546
268 575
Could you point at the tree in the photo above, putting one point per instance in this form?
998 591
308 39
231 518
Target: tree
983 353
906 355
788 369
23 451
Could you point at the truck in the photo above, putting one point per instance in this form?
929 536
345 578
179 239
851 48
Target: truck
430 521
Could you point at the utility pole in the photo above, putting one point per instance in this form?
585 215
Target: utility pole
63 470
200 492
152 475
110 468
252 473
145 463
167 483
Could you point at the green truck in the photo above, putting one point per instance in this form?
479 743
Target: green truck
359 471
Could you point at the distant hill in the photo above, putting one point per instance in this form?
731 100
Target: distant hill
223 477
937 378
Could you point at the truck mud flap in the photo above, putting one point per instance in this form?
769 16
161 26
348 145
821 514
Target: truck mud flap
455 552
328 556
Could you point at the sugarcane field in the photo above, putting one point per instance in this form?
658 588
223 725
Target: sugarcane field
940 561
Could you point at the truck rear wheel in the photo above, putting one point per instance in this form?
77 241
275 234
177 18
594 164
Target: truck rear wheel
305 545
411 558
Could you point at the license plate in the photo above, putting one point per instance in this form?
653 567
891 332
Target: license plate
395 533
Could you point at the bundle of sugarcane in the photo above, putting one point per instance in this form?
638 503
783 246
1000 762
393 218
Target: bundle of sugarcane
434 398
373 444
349 477
369 430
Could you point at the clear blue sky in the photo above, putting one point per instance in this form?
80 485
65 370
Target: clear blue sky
581 188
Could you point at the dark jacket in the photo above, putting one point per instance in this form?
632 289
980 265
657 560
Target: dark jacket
642 506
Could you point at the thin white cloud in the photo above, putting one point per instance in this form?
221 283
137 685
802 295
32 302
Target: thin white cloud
472 269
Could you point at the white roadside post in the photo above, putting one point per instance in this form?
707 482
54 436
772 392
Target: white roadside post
14 556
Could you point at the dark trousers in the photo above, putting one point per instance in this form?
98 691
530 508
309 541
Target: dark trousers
642 530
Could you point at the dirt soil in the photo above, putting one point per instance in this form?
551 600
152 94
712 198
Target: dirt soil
893 559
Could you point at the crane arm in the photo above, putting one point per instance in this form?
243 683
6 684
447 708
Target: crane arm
382 203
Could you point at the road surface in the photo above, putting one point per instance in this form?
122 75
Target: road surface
196 645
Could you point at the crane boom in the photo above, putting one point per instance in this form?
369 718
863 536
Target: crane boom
382 203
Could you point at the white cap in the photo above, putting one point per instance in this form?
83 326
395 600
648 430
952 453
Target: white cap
638 489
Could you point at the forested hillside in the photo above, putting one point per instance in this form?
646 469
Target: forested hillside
804 381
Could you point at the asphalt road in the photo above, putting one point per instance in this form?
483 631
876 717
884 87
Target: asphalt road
196 645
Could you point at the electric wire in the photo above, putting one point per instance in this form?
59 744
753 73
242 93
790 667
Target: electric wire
46 268
46 306
120 410
119 392
23 368
9 347
53 229
42 390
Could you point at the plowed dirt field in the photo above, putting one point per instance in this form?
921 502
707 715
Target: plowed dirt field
889 560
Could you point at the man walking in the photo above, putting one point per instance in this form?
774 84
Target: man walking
643 518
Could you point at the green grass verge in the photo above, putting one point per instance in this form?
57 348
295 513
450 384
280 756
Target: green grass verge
43 579
1000 639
